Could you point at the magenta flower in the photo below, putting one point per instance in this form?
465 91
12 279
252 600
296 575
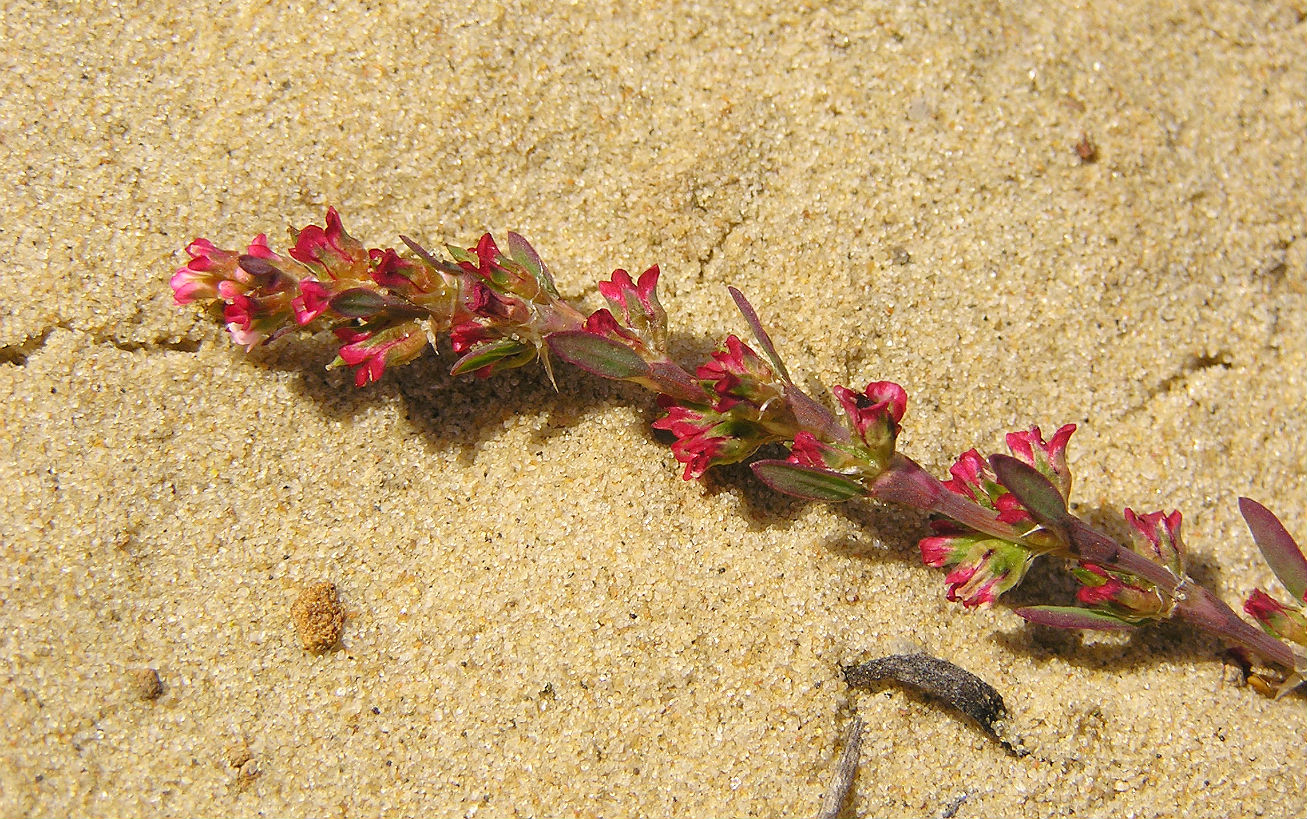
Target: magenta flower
198 279
708 436
252 320
637 304
314 300
972 478
876 411
700 441
601 323
389 270
1277 619
1159 538
874 414
739 372
330 252
500 273
260 250
984 567
1123 596
370 353
1048 458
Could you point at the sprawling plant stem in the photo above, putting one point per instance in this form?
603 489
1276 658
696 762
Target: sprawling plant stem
501 310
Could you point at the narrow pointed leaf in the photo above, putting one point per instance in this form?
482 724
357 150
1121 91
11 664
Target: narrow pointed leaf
520 250
755 325
809 412
425 255
1032 489
597 355
676 382
487 354
1278 547
358 302
1072 617
808 482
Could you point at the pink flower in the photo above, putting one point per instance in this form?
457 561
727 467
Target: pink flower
970 474
985 567
199 278
1048 458
1277 619
876 411
875 414
1118 594
246 322
259 249
809 450
1161 541
629 297
637 304
709 436
329 251
371 353
974 480
935 551
972 477
483 261
389 270
602 323
698 442
314 300
467 334
739 372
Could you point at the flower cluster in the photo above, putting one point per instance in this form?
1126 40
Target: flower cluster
383 307
1283 621
985 565
992 516
1128 597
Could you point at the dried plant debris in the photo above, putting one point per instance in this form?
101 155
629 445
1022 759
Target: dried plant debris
942 681
319 617
841 782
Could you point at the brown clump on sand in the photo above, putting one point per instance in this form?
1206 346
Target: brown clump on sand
145 683
319 617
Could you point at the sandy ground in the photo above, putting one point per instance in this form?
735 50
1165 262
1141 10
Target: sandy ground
542 618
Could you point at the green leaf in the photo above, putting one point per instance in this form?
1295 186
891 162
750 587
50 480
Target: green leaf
358 302
808 482
1277 545
1045 504
597 355
520 251
1073 617
494 352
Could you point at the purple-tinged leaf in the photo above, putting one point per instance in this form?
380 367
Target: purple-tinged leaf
807 482
755 326
815 417
358 302
676 382
1072 617
520 250
485 355
1278 547
425 255
256 266
1039 497
597 355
